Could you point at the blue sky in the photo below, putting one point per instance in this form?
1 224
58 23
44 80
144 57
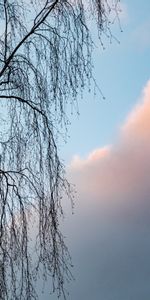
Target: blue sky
121 71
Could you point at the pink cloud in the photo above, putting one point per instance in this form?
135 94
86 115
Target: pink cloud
123 169
93 157
138 121
111 227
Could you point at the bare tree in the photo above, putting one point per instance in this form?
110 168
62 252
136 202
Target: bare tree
45 62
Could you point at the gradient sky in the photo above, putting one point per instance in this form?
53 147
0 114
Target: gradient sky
108 158
121 71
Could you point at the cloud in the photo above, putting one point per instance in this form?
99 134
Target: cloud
121 166
110 234
138 121
78 163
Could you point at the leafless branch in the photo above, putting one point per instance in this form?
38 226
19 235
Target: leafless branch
45 62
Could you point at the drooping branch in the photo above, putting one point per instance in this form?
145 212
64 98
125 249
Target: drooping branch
45 62
37 22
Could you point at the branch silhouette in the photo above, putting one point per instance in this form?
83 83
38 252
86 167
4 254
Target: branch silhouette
45 62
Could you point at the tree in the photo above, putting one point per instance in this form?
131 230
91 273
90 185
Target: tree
45 62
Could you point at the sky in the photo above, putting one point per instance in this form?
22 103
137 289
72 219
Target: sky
107 157
121 72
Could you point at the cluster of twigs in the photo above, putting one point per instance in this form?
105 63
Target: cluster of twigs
45 61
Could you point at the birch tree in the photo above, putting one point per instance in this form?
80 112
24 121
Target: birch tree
45 63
